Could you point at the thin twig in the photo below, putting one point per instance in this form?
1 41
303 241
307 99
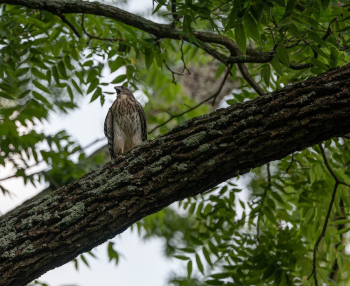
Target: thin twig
229 67
173 73
290 164
175 16
196 106
313 273
182 58
246 75
70 25
337 183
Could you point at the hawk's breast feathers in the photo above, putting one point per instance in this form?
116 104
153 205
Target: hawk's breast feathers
125 123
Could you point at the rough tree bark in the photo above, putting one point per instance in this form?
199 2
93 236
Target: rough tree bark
189 160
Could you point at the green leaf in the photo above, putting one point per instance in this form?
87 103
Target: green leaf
213 248
62 69
70 92
191 209
188 249
252 28
82 257
240 37
119 79
199 264
294 31
93 85
319 64
149 56
344 230
112 254
118 63
189 269
269 215
39 97
21 72
232 17
96 94
5 95
220 275
207 209
317 39
283 55
41 87
55 74
207 255
276 65
277 197
181 257
333 59
265 74
325 4
76 86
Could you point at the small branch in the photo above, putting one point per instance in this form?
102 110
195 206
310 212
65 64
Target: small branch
175 16
70 25
182 58
313 273
93 143
330 168
196 106
329 29
290 164
173 73
246 75
229 67
301 66
337 183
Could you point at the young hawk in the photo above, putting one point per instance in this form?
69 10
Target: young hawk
125 123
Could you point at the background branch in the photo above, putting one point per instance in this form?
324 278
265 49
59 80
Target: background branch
213 96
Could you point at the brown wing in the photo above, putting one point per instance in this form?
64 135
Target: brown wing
143 121
109 132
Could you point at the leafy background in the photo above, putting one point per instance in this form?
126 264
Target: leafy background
259 230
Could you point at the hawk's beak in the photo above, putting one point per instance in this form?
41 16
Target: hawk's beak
118 89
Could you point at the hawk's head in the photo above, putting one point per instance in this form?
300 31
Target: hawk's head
122 89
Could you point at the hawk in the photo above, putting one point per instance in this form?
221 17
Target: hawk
125 124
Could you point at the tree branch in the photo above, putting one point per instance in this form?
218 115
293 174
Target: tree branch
158 30
323 232
70 25
213 96
190 159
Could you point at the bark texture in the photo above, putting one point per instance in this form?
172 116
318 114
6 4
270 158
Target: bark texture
189 160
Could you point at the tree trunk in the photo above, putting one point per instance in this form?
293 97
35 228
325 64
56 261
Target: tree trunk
188 160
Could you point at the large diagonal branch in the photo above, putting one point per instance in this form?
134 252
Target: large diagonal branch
188 160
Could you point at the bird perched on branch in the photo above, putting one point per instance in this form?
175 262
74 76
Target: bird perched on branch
125 124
